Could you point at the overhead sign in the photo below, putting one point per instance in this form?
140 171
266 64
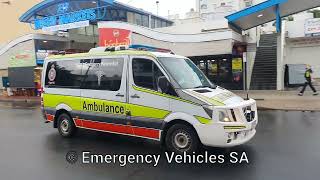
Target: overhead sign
66 26
312 27
114 37
64 17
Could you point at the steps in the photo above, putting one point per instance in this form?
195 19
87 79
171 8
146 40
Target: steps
264 74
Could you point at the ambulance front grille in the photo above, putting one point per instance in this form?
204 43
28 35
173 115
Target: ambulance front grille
249 114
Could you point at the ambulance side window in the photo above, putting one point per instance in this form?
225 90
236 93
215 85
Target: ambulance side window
63 74
145 73
102 74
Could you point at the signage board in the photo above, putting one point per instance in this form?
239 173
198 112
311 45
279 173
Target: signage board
114 37
21 77
74 25
236 65
312 27
23 58
65 17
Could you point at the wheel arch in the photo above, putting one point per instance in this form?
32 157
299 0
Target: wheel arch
60 109
177 118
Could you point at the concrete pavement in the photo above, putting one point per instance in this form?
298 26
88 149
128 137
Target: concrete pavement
266 99
20 99
284 100
285 147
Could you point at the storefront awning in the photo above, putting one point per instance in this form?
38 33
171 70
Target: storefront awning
268 11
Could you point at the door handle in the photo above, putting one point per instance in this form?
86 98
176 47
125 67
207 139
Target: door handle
135 96
128 112
120 95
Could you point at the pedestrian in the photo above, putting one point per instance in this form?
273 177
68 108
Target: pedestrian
307 75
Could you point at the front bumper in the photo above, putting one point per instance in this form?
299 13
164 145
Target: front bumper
228 134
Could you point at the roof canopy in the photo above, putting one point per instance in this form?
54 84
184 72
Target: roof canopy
268 11
50 8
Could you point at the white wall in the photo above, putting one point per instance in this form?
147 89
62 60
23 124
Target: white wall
300 52
23 46
296 28
182 42
193 26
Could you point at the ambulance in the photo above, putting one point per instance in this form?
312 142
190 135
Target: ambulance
153 95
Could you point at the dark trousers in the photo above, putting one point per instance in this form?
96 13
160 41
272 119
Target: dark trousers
306 84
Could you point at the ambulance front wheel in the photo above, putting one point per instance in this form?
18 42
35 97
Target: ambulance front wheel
181 138
66 126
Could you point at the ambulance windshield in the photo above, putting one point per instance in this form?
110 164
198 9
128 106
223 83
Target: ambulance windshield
186 73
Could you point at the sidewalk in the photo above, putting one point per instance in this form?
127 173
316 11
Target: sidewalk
20 99
284 100
274 100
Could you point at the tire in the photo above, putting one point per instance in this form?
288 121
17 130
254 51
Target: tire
181 138
66 126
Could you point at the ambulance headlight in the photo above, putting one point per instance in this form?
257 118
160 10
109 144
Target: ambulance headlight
223 116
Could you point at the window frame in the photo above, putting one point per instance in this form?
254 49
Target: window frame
152 60
123 75
80 59
55 61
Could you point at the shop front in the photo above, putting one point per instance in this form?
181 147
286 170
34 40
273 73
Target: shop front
225 70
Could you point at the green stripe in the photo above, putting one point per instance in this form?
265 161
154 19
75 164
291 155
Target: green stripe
76 103
161 94
203 120
210 100
235 127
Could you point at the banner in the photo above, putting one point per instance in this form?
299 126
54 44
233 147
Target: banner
312 27
62 27
24 58
236 65
114 37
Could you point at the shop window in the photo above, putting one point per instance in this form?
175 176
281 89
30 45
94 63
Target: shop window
163 24
145 21
138 19
158 23
96 30
146 73
130 17
81 31
89 30
63 74
102 74
153 23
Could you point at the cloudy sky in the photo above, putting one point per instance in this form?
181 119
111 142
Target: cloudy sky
173 6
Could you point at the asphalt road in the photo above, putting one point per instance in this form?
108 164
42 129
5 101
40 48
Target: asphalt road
286 146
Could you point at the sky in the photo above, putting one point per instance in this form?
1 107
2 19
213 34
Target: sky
173 6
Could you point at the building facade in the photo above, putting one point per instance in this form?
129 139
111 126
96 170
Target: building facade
218 9
37 29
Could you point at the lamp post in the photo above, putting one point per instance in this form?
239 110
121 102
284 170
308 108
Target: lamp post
157 2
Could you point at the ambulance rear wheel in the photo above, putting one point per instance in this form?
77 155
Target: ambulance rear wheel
66 125
181 138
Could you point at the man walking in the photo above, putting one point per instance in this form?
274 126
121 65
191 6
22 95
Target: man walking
307 75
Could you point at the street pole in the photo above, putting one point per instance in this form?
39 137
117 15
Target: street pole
157 2
245 74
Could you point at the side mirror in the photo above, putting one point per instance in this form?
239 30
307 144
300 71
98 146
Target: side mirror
163 84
